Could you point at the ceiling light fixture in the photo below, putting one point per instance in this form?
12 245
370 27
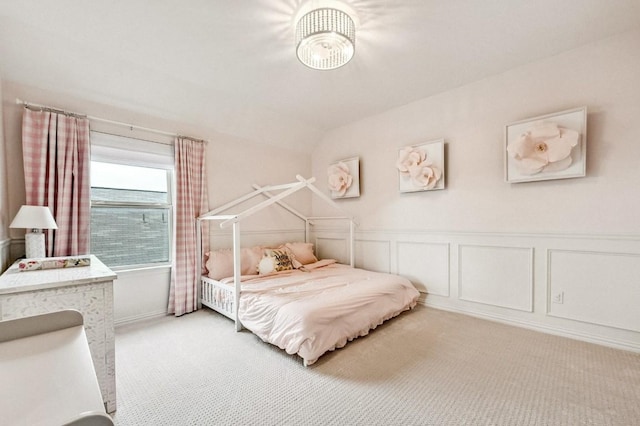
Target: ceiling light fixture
325 38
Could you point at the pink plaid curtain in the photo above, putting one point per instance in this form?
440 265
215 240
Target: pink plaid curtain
191 202
56 155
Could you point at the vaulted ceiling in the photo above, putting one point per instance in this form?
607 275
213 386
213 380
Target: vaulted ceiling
231 65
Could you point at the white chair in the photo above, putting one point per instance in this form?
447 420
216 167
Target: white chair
48 377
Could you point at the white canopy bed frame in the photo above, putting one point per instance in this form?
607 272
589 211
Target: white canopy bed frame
306 310
229 301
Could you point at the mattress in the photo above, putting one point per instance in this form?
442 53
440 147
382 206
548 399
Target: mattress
321 307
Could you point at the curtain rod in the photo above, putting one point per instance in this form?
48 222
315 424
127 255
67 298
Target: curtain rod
31 105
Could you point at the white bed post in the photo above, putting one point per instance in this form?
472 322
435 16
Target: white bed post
237 271
306 230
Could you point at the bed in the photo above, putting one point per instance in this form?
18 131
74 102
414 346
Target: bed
313 310
289 298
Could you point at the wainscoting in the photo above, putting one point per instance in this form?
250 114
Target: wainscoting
584 287
138 294
141 294
5 254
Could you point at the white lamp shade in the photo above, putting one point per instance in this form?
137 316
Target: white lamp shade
34 217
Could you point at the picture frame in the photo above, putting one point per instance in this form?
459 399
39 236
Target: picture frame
344 178
527 146
421 167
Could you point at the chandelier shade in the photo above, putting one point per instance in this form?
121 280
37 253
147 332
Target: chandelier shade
325 38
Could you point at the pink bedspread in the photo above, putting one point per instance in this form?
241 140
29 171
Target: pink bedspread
310 313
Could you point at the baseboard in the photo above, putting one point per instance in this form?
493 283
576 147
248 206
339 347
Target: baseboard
138 318
543 328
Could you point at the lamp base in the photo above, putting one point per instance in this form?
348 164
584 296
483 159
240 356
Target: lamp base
34 245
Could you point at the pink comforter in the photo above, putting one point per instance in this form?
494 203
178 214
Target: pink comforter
310 313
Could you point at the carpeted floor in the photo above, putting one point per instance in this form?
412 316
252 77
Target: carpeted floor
425 367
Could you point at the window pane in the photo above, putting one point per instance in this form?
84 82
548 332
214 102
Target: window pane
118 182
123 236
128 195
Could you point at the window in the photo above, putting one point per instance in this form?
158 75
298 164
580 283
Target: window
131 208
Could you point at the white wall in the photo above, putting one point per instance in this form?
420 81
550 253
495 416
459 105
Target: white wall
500 250
233 165
602 76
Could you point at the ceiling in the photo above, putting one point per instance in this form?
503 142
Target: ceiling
231 65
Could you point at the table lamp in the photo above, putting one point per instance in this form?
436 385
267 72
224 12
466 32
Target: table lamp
34 218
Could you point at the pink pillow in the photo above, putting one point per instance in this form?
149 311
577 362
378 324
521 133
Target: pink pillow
250 257
303 252
220 262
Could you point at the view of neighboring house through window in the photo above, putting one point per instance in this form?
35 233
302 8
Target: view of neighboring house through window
131 214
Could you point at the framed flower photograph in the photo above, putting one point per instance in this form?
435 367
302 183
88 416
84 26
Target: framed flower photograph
421 167
344 178
552 146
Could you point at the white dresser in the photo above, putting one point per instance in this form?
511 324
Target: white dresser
88 289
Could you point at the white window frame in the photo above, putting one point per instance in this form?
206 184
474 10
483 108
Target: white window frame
127 151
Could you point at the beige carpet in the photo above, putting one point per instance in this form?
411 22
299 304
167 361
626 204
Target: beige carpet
425 367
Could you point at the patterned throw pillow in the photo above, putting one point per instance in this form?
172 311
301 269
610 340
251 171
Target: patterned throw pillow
274 260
